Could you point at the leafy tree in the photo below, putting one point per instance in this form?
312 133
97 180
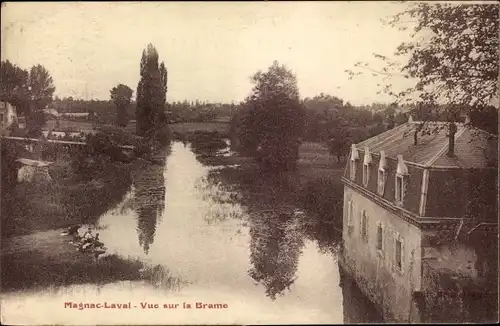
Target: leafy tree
151 92
29 92
453 56
273 119
41 87
121 95
14 86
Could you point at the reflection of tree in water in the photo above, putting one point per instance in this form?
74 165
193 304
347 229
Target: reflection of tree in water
149 202
221 203
323 232
275 247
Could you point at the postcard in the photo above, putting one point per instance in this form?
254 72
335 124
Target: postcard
187 163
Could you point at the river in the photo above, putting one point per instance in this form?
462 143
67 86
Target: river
200 242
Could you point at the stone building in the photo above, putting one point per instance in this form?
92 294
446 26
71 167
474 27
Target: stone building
33 171
8 115
420 225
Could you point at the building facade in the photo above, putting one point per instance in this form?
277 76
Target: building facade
417 200
8 115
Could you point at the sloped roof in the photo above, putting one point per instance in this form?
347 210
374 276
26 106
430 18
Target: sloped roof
30 162
473 148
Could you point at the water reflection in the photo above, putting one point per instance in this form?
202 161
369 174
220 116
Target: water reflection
275 246
199 237
149 202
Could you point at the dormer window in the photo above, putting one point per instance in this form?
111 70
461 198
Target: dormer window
401 180
381 174
354 159
366 167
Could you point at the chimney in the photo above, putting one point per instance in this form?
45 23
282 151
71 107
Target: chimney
452 129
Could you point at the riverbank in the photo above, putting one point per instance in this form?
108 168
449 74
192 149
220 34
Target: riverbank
38 256
66 200
315 185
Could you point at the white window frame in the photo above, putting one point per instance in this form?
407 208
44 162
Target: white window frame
381 175
366 167
353 170
366 174
401 176
354 159
399 188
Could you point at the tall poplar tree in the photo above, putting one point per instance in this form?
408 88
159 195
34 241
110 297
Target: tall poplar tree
151 92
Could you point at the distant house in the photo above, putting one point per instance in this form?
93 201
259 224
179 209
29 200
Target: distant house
33 171
8 115
411 208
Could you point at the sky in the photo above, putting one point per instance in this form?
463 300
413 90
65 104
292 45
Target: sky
210 49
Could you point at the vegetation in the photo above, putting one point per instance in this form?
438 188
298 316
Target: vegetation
30 92
452 56
121 96
151 92
272 119
201 111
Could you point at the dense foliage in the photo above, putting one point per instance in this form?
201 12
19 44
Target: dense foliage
452 56
272 119
121 95
151 92
29 92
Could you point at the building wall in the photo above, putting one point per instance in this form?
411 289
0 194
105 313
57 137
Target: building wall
8 114
460 279
375 271
458 193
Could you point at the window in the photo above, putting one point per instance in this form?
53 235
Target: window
381 182
354 158
353 170
399 254
380 237
366 174
364 226
401 178
399 188
1 118
366 166
350 213
381 177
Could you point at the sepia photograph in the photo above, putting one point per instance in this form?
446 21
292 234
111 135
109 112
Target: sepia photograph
249 163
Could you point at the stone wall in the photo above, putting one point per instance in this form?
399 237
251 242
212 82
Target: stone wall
375 270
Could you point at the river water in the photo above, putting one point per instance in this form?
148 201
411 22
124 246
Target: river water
199 243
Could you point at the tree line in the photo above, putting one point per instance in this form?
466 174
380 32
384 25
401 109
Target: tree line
456 73
30 91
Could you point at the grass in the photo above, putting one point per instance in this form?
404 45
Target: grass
315 185
66 200
77 126
37 269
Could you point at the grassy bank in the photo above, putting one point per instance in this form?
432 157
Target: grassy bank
66 200
190 127
315 185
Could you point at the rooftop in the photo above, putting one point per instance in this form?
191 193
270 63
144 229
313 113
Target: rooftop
474 148
30 162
